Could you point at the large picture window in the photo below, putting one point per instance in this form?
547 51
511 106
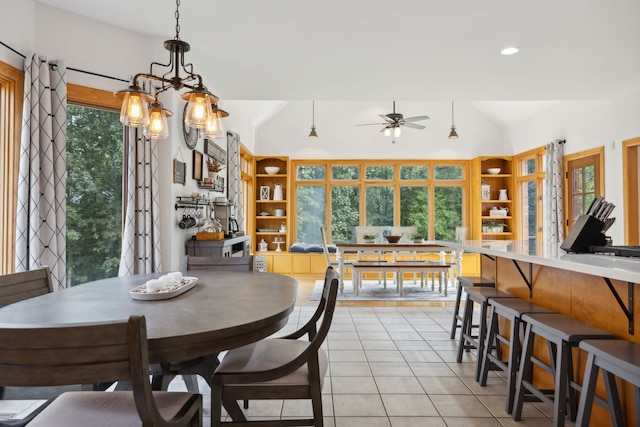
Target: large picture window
343 194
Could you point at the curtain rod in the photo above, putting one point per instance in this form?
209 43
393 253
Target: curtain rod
69 68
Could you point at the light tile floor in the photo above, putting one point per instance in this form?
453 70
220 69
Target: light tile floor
396 367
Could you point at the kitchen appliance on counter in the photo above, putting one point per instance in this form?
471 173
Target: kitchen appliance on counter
225 212
588 232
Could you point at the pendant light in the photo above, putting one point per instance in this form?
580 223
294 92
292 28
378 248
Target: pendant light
453 134
313 134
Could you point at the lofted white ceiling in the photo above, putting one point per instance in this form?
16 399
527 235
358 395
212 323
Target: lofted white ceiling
411 50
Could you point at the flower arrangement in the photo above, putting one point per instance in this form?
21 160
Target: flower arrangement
213 165
492 226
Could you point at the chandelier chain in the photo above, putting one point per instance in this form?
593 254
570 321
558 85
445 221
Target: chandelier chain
177 19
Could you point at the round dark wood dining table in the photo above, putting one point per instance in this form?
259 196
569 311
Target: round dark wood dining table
225 309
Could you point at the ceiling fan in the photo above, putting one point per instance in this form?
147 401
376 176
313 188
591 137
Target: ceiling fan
394 121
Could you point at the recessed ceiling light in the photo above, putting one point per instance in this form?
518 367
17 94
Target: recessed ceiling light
511 50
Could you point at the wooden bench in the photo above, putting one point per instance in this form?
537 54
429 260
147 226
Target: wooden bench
399 268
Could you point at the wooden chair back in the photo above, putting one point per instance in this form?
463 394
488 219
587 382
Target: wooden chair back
16 287
325 246
240 263
50 355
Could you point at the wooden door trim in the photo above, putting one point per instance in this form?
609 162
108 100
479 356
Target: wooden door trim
630 190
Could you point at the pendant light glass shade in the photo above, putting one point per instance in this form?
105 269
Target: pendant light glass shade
134 111
313 134
214 128
453 134
158 127
387 131
397 131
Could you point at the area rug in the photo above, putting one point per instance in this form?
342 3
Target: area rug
373 291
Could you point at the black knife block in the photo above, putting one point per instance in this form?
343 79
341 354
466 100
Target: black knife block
587 231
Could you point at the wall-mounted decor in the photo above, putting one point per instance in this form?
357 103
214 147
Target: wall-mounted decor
179 172
265 192
197 165
214 151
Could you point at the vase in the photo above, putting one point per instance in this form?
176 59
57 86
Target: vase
503 194
277 192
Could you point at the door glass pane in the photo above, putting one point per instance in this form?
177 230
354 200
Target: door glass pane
448 211
94 193
414 209
345 212
528 208
414 173
379 205
577 180
311 173
448 173
379 173
310 215
529 166
350 173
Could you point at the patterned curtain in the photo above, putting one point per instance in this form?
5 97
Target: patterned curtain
141 234
234 183
554 197
41 211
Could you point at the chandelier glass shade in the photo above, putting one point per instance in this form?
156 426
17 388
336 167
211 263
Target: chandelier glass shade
136 110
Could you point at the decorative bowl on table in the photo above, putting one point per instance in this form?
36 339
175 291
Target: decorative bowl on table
271 170
393 238
494 171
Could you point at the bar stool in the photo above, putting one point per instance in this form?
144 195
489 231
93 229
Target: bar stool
562 333
469 341
511 309
466 282
619 358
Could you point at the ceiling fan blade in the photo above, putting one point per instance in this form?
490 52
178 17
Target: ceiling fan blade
413 125
387 118
416 118
372 124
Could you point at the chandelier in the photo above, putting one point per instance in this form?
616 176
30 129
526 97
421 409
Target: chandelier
141 108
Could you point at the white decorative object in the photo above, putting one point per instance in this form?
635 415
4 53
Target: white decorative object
262 246
493 171
277 192
503 194
499 212
271 170
486 192
265 192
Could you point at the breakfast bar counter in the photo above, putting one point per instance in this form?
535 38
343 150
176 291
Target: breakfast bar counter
595 289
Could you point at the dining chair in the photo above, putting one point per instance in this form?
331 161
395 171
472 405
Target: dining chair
362 231
348 263
50 355
407 232
279 368
17 287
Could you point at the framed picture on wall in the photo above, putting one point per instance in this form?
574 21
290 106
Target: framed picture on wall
197 165
179 172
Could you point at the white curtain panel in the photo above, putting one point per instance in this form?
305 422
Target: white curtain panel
41 212
234 183
141 234
553 208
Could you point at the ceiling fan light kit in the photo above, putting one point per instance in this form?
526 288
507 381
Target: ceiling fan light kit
395 121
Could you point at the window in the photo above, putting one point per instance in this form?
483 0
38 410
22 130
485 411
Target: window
529 184
247 188
94 185
584 182
11 94
433 196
